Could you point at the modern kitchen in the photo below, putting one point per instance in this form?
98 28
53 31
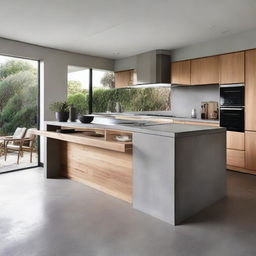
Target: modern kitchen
145 145
208 111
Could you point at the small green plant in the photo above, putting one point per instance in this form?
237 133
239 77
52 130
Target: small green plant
59 106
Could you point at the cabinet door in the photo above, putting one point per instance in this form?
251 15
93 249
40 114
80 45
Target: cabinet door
180 72
235 158
235 140
124 78
232 68
250 90
205 70
250 150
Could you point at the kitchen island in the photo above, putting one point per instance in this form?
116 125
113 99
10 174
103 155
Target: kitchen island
169 171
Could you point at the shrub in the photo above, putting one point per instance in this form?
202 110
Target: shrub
80 101
139 99
18 96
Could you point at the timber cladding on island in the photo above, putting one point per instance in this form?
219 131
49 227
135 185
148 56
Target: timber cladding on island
106 170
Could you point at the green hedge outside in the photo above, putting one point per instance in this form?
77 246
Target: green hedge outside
131 99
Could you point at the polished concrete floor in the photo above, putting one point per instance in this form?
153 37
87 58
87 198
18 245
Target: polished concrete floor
41 217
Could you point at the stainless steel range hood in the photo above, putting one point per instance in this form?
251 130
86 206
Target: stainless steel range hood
153 68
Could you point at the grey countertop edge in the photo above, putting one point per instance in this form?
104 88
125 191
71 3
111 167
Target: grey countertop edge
205 130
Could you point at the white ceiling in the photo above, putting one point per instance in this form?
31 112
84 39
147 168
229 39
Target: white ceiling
121 28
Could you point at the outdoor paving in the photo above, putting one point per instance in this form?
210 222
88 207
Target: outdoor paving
11 162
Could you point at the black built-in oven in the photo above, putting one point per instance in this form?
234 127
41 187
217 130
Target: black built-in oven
232 107
232 95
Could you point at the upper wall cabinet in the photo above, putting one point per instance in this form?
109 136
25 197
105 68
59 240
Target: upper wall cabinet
250 90
124 78
205 70
180 72
232 68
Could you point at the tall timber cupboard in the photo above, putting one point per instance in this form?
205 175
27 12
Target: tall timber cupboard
250 110
232 71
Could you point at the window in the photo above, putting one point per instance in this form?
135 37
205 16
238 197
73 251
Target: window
131 99
78 88
104 96
19 87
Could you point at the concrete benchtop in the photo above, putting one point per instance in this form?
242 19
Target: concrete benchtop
154 128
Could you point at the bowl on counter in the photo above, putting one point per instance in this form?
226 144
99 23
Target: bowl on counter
86 119
123 138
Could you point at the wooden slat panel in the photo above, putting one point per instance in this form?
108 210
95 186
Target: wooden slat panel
180 72
232 68
205 70
236 158
107 171
235 140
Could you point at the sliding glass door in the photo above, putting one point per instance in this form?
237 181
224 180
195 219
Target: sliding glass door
19 115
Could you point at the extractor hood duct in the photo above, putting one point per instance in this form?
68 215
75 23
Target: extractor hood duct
153 67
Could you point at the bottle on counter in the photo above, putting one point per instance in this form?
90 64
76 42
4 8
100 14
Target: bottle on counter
72 113
204 110
118 107
193 113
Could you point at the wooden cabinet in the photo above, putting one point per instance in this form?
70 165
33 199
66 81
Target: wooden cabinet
235 158
232 68
235 149
250 90
235 140
180 72
250 150
205 71
124 78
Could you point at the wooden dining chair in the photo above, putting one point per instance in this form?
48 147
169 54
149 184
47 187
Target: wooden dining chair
14 142
28 143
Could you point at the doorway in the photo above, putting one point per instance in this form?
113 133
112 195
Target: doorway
19 113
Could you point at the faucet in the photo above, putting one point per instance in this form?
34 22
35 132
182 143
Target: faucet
118 107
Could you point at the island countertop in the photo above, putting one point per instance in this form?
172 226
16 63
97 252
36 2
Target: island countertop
169 171
147 127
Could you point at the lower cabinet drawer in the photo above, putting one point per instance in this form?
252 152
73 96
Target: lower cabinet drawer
236 158
235 140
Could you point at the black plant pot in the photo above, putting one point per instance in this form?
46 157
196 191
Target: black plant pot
62 116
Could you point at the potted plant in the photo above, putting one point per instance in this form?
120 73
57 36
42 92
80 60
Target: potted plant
61 110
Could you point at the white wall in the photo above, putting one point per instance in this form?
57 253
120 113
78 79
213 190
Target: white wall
185 98
232 43
237 42
54 69
125 63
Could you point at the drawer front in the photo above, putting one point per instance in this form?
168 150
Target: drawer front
236 158
235 140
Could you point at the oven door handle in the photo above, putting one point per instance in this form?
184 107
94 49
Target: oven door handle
231 85
231 108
